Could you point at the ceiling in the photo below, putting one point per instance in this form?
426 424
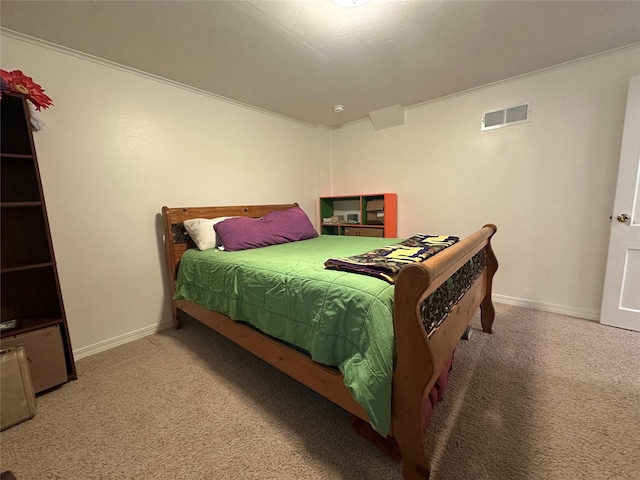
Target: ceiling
299 58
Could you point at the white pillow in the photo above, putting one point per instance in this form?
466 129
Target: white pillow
202 232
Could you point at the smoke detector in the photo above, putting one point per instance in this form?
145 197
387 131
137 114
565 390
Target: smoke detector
350 3
338 108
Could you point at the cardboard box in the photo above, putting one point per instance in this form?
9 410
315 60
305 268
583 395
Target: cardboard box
363 232
45 352
375 211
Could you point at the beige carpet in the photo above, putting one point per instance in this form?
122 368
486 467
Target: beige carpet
546 397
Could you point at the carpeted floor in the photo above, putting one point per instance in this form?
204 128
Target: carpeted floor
545 397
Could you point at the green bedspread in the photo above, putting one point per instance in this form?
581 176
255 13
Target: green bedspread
340 319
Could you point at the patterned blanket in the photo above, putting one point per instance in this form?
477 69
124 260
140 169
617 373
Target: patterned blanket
386 262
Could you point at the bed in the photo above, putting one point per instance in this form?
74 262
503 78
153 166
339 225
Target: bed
426 309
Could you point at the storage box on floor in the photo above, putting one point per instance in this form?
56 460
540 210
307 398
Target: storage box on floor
45 352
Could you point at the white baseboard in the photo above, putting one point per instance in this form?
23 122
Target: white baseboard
120 340
584 313
519 302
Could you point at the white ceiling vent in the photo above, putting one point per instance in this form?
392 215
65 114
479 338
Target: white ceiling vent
506 117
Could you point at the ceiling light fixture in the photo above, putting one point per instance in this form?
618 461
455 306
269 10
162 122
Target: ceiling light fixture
350 3
338 108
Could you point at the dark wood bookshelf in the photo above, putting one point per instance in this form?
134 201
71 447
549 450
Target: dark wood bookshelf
30 287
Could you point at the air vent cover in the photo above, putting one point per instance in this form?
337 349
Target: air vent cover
506 117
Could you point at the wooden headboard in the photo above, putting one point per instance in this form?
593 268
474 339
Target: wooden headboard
176 238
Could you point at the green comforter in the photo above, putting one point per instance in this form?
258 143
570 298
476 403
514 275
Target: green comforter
340 319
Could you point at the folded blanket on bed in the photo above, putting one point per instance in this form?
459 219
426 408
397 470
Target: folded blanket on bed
386 262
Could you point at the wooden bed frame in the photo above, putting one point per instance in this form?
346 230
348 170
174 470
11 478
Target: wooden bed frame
420 358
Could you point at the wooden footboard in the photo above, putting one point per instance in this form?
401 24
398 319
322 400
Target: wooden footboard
420 357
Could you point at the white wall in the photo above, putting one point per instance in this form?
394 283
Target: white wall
116 147
548 185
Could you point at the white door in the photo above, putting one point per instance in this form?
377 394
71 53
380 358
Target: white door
621 294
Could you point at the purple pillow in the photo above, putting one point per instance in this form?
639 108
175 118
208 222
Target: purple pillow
280 226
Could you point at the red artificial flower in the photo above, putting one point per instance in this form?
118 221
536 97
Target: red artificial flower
18 82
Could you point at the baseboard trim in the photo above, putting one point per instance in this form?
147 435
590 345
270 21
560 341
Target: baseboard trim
584 313
121 340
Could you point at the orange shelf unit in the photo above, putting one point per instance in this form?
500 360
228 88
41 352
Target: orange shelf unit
371 215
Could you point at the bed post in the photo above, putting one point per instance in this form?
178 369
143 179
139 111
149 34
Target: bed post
171 261
177 321
413 373
487 311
